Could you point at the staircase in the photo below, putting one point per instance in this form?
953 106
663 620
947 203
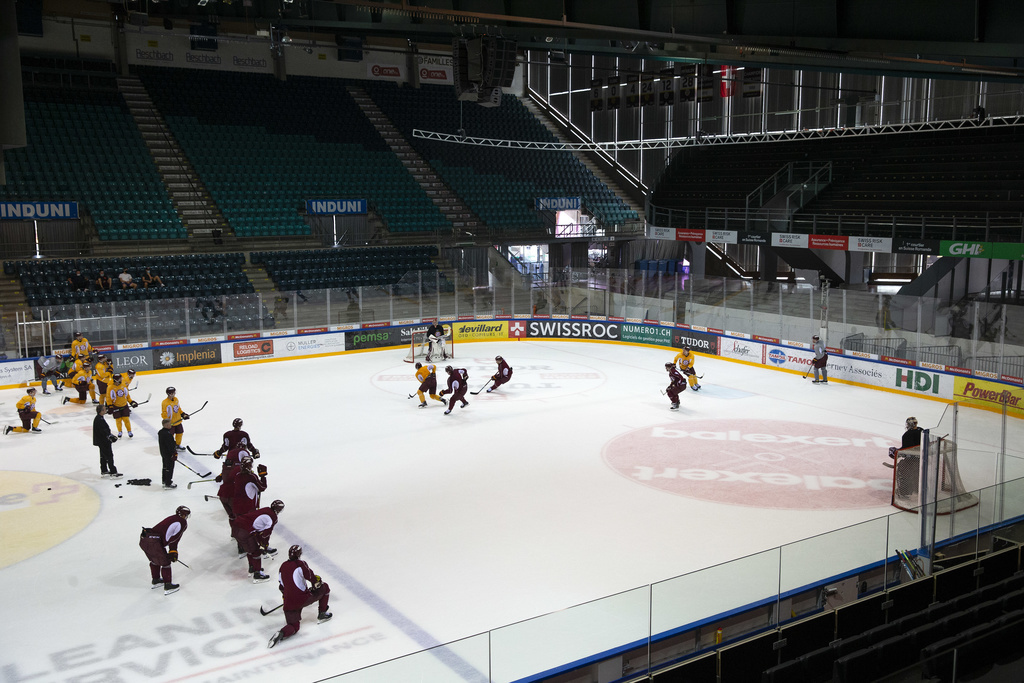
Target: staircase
559 132
195 207
455 210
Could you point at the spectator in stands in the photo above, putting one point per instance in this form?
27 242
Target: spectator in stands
126 280
103 280
78 281
150 280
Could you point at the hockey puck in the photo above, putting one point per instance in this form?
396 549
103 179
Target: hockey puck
120 496
47 488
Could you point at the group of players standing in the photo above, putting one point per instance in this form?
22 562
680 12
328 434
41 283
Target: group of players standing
251 529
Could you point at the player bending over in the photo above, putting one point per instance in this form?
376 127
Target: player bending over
427 375
676 385
503 375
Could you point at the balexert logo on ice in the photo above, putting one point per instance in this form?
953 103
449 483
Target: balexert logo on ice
757 437
757 462
918 381
574 330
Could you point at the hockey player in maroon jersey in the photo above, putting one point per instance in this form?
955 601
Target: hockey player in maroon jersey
248 487
160 543
300 587
503 375
457 386
676 385
236 438
252 531
228 471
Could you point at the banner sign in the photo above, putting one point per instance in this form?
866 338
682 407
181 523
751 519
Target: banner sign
646 334
20 211
123 361
335 206
698 341
880 244
828 242
722 236
984 394
17 372
186 356
371 338
480 331
907 246
564 329
558 203
667 87
435 69
790 239
967 249
385 72
597 94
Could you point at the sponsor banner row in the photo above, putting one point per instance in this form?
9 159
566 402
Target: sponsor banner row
994 250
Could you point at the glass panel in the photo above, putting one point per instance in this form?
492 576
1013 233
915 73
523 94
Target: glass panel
843 550
693 598
458 662
571 635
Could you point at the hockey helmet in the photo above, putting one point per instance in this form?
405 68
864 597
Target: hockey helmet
911 423
449 369
815 338
183 512
30 390
116 377
131 373
277 506
669 365
77 334
419 365
170 390
247 462
237 423
498 359
295 552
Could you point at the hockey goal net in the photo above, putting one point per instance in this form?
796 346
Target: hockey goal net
935 466
421 349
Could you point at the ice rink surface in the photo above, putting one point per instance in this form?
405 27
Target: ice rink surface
571 483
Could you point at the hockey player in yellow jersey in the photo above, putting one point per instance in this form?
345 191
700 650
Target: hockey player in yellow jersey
30 417
427 375
170 410
82 382
80 346
103 375
684 361
118 400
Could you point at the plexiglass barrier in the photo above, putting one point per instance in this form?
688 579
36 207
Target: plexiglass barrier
975 336
648 628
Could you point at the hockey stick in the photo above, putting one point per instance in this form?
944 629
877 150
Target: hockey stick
482 388
204 476
196 411
207 498
44 420
142 403
201 481
207 455
274 609
183 564
808 372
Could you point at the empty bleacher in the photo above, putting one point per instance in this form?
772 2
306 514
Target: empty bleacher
262 146
500 185
84 146
344 268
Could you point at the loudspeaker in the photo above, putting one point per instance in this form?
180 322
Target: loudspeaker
464 90
138 19
499 62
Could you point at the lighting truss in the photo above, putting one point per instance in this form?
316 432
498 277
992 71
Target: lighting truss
736 138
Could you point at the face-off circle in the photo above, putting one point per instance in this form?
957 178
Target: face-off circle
757 463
